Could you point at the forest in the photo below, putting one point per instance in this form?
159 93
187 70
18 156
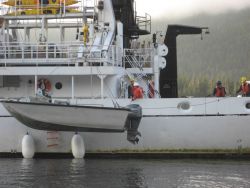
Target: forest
223 55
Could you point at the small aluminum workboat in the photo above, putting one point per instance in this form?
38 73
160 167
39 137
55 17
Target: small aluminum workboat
65 117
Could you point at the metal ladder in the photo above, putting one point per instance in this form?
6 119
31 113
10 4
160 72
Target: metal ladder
134 63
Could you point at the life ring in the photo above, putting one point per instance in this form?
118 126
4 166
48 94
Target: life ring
44 84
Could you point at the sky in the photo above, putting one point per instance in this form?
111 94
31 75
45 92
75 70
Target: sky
186 8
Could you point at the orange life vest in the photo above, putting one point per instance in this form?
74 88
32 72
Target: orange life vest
137 93
245 89
220 92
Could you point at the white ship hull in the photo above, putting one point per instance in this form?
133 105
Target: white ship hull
169 130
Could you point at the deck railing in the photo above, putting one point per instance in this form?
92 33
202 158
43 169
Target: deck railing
60 54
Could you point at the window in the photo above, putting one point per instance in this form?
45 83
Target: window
11 81
58 85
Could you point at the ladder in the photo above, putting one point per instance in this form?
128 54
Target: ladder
140 76
52 139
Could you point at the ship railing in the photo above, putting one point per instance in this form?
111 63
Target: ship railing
139 59
3 10
61 8
55 53
144 22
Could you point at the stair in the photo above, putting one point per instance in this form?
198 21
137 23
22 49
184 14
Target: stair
135 58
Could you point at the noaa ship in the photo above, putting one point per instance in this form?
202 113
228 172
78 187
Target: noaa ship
85 58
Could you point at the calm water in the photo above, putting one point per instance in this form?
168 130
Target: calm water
109 173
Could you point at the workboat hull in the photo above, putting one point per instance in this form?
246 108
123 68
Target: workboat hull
58 117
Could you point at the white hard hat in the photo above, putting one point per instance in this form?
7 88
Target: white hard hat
136 84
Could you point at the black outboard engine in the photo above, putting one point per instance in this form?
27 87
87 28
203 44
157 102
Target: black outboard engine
133 122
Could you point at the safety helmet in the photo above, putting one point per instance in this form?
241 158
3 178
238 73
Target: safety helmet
243 79
219 82
136 84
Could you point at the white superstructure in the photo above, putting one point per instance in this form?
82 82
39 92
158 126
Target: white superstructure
95 69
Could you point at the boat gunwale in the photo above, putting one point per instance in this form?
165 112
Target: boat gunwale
69 106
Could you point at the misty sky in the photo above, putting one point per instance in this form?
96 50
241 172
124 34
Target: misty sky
185 8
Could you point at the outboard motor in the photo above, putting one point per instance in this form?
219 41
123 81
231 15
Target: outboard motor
133 122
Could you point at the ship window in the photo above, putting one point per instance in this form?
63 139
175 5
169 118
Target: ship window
11 81
58 85
248 105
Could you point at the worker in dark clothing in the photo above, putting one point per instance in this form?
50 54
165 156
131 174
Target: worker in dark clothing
130 89
244 88
219 90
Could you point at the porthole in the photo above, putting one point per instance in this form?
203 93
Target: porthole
58 85
184 106
248 105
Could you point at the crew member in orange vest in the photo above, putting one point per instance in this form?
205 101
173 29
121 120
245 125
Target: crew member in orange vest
244 88
219 90
137 91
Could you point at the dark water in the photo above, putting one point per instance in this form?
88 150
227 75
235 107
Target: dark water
109 173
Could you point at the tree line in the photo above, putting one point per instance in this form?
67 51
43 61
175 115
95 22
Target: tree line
202 86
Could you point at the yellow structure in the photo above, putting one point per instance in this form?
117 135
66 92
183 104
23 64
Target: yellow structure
37 7
85 34
31 4
40 11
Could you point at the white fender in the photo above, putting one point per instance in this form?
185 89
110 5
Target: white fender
77 146
28 146
162 50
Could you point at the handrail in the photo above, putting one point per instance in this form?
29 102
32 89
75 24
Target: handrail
56 53
55 8
140 58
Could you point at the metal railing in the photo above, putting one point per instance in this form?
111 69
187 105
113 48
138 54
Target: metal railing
140 59
14 53
15 8
144 22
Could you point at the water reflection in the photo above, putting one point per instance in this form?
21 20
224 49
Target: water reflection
76 172
134 178
109 173
25 176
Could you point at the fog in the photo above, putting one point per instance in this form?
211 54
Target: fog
179 9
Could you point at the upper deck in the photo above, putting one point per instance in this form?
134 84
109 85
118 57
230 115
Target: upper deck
39 39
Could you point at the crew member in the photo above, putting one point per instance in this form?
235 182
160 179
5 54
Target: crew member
137 92
244 88
219 90
130 89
